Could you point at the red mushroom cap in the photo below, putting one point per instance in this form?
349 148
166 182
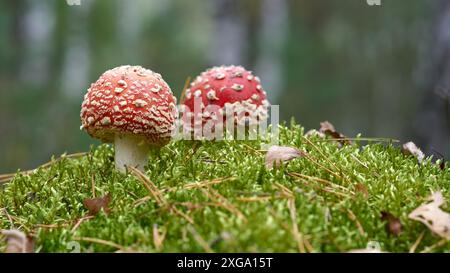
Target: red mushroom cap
129 100
230 87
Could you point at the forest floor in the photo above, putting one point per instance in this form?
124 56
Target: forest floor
220 197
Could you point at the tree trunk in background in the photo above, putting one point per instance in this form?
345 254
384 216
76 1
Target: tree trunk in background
230 35
37 29
77 54
433 122
272 36
15 9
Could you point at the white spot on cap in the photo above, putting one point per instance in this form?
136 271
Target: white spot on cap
237 74
156 88
105 121
237 87
220 76
122 83
142 72
198 79
118 90
250 77
255 97
140 103
197 93
211 95
123 102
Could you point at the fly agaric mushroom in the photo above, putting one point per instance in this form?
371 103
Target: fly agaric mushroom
133 108
236 92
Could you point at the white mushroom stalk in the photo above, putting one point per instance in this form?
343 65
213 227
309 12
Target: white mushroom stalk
130 151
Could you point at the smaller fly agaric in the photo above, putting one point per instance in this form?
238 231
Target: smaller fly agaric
133 108
236 92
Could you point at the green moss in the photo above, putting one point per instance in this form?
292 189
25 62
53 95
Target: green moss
395 183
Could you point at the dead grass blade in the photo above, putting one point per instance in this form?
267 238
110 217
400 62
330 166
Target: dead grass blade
158 238
320 180
100 241
199 239
183 92
284 190
315 162
221 201
151 187
11 222
322 154
295 232
375 139
157 194
204 183
441 243
80 221
352 217
416 243
93 185
328 189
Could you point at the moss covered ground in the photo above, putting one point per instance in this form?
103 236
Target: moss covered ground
219 197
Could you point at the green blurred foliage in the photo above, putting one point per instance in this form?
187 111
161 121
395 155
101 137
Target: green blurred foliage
342 61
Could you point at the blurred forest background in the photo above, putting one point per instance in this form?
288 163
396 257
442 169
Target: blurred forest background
381 71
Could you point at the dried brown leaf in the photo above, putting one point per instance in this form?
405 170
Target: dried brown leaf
314 132
95 205
394 226
437 220
410 148
278 154
442 165
18 242
328 129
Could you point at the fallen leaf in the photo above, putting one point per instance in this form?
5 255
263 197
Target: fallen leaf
328 129
278 154
314 132
442 161
362 189
437 220
394 226
410 148
95 205
442 165
18 242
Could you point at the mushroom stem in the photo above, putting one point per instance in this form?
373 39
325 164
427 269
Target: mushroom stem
130 151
